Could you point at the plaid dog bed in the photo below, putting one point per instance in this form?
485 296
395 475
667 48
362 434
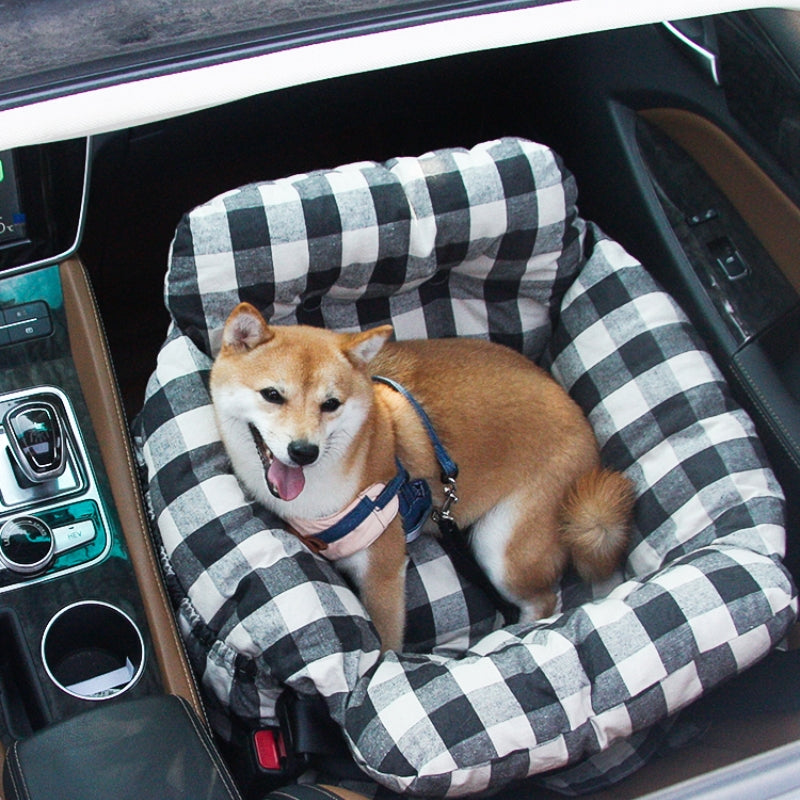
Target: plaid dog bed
486 242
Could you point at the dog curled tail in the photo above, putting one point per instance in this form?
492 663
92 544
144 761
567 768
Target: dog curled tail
595 521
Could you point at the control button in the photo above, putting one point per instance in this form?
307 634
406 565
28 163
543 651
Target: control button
729 259
76 534
25 312
23 322
703 216
30 329
26 545
269 749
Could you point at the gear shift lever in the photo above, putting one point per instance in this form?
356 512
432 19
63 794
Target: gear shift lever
36 440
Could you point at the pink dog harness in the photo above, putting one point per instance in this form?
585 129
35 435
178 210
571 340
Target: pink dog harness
367 517
360 537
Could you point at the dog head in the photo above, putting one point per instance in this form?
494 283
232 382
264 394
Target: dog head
290 400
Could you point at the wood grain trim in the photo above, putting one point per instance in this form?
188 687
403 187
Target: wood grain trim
91 357
772 216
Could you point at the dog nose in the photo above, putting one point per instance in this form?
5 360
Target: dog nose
303 453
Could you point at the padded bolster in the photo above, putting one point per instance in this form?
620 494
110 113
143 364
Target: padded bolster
478 242
151 747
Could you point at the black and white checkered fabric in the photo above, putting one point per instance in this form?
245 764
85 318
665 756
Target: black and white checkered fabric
485 242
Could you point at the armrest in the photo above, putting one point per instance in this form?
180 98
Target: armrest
150 747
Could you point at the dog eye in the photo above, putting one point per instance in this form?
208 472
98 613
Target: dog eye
272 396
331 404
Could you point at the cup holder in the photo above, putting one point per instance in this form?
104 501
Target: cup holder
92 650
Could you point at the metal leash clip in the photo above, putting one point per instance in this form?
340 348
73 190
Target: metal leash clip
443 514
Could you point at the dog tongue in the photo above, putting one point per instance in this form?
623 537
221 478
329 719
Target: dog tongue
287 481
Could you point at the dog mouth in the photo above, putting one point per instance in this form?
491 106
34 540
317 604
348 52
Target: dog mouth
283 481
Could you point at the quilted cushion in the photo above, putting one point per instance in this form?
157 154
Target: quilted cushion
486 242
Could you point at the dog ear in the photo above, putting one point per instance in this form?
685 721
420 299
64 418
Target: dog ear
245 328
361 348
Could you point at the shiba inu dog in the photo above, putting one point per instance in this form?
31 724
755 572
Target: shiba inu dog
312 437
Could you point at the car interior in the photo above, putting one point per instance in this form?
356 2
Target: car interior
684 140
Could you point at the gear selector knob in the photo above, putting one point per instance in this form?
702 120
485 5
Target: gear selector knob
34 434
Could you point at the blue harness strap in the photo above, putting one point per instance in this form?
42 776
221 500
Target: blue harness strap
448 466
415 505
365 507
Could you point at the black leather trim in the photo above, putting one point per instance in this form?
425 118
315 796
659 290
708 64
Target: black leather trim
150 747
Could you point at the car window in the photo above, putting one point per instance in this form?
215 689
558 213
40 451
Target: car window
760 62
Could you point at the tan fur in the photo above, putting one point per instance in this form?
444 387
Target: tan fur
530 481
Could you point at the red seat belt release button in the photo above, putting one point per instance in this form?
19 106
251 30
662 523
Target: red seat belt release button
270 749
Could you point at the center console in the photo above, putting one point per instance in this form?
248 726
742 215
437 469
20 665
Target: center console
85 623
53 515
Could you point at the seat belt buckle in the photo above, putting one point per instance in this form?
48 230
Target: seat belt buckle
286 749
264 758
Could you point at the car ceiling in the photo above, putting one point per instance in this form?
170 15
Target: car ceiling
76 69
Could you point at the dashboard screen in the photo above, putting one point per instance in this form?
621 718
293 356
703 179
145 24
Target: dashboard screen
12 217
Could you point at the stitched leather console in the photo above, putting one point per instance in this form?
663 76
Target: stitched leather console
97 380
